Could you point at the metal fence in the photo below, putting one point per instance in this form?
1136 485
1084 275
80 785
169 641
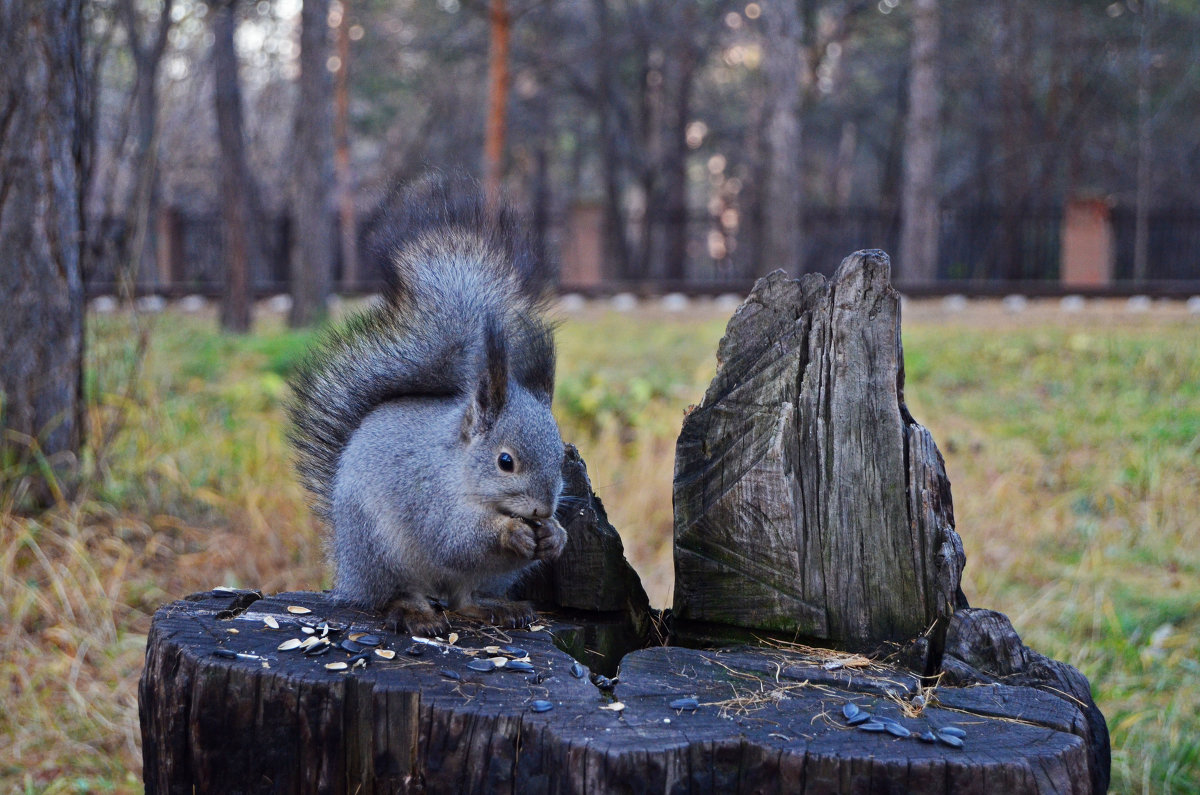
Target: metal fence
981 250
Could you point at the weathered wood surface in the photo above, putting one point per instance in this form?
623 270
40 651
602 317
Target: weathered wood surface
807 500
767 720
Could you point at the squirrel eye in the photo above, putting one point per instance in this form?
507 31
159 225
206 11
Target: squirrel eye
505 462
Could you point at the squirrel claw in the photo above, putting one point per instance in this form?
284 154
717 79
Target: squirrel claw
513 615
415 616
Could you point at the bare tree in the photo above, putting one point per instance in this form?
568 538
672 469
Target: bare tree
347 215
235 192
918 255
784 188
498 86
312 175
43 132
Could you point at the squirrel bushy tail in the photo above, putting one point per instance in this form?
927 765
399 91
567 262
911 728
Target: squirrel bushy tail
464 289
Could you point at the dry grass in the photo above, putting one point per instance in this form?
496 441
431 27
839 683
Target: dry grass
1072 443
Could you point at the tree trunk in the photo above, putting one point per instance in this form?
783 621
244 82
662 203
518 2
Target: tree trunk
616 247
43 129
919 211
493 147
312 173
236 215
682 71
347 215
143 204
785 188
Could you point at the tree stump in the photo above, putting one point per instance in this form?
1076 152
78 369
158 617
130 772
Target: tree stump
809 505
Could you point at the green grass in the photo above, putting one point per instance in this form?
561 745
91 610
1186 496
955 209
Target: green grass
1073 450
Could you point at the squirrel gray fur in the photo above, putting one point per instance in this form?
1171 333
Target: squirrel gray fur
422 427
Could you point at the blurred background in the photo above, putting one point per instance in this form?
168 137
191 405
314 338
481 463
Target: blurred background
187 191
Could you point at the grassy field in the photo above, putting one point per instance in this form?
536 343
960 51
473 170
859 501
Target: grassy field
1072 441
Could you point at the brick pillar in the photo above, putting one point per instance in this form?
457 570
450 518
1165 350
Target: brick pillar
583 250
1087 244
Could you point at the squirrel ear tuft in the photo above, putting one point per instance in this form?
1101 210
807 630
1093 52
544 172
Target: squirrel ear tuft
491 392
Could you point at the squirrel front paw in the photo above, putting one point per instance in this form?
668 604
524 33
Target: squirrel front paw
517 537
551 538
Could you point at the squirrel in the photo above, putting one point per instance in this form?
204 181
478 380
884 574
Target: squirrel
422 426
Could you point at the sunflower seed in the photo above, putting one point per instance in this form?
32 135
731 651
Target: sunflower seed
453 638
514 651
367 640
492 649
685 703
336 666
483 666
308 630
227 654
499 662
386 654
578 671
872 726
415 650
446 672
541 706
298 610
953 731
850 709
950 740
927 737
897 730
616 706
860 718
271 622
289 644
317 650
350 646
308 643
602 682
359 662
537 627
520 665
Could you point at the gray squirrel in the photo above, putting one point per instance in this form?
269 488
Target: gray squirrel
422 427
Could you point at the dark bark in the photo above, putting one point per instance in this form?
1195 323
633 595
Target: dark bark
312 173
236 203
43 136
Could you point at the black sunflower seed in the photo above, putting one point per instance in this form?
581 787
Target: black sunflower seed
578 671
685 703
483 666
541 706
449 674
227 654
350 646
872 726
520 665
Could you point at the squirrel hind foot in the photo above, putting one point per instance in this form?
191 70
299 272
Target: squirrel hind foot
499 612
415 616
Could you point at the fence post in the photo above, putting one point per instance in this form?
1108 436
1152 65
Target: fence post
169 250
